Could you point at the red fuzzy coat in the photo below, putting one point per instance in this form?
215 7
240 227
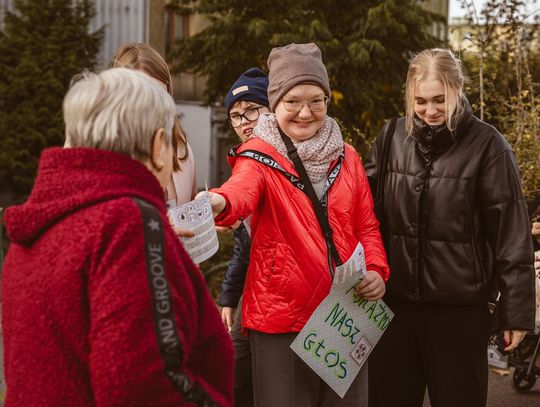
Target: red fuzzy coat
288 274
77 310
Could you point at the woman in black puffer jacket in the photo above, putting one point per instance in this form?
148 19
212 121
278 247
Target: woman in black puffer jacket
457 235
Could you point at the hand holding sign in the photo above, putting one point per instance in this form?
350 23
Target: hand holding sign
372 287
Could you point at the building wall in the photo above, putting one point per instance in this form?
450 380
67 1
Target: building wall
441 7
187 86
157 29
197 124
124 21
461 32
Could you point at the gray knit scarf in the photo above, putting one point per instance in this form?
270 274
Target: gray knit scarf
316 153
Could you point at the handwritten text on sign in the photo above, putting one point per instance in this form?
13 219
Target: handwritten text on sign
343 330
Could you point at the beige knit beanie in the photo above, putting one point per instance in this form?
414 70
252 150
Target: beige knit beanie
294 64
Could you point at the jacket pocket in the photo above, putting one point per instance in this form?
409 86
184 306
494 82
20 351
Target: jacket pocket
277 264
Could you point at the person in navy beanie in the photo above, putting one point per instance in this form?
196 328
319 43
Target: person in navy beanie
246 100
251 86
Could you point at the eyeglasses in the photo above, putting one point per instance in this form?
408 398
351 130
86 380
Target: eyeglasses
315 105
250 115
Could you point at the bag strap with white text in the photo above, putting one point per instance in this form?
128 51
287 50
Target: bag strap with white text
164 322
320 212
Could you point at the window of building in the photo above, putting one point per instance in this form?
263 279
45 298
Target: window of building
176 26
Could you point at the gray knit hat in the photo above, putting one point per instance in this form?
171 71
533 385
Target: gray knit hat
294 64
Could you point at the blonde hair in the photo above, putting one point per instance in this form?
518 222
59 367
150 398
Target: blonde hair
118 110
140 56
442 65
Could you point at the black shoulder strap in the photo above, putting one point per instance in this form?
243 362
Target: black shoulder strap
164 323
267 160
382 162
310 192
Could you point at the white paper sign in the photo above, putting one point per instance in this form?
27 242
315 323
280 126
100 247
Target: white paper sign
197 217
341 333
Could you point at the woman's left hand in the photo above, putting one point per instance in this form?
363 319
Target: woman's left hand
232 228
372 287
513 338
183 232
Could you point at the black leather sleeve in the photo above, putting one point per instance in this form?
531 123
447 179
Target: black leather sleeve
370 161
509 234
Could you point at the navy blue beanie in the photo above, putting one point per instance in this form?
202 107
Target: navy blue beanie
251 86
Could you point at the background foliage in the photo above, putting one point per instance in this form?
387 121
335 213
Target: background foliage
44 43
365 44
503 63
366 47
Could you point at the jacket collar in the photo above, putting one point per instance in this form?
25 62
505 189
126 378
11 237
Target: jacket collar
434 140
70 179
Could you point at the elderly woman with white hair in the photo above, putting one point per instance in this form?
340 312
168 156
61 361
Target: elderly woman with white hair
101 305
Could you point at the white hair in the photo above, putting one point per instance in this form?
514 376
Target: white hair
118 110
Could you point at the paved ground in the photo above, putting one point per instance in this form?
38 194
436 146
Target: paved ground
501 394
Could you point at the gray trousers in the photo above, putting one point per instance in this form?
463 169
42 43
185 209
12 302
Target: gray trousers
243 387
282 379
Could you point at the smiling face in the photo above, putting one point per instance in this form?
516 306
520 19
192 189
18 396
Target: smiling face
430 102
433 103
248 113
301 125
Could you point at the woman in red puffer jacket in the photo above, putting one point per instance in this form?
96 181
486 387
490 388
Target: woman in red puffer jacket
290 265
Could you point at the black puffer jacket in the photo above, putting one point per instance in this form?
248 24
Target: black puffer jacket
458 229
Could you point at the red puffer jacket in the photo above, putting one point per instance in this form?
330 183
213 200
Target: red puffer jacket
288 274
77 311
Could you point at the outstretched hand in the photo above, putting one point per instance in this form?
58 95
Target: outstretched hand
229 228
216 201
